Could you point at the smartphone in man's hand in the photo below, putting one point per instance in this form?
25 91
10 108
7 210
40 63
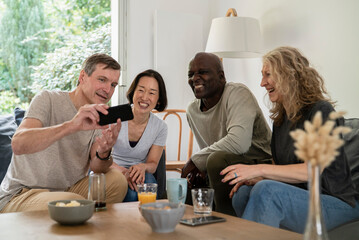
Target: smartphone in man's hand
123 111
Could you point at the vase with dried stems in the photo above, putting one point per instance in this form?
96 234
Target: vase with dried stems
317 145
315 228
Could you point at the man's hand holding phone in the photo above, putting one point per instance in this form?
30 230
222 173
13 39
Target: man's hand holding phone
124 112
87 117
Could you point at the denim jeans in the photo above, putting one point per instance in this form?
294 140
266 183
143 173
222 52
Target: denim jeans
282 205
131 195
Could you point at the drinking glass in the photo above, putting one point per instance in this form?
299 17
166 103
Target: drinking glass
147 192
97 190
202 199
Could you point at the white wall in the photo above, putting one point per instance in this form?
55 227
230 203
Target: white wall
325 31
141 14
141 52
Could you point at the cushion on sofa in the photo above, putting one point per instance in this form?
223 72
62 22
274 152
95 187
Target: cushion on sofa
350 230
7 130
351 149
160 176
19 115
8 126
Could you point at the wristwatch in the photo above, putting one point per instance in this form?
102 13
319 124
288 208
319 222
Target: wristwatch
105 158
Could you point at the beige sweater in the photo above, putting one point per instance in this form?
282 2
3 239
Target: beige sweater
235 124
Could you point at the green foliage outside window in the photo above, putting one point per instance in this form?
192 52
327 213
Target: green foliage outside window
7 102
61 68
20 20
44 42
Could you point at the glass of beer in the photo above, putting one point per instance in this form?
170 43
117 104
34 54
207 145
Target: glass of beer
147 192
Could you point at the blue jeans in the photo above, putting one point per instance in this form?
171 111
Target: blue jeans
131 195
282 205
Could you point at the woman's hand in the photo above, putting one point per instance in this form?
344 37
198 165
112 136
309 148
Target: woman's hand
126 173
240 173
137 173
131 183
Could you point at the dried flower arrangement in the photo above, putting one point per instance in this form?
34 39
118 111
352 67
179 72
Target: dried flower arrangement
318 142
317 145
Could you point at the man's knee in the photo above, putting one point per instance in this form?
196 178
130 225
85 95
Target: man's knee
217 161
37 199
116 186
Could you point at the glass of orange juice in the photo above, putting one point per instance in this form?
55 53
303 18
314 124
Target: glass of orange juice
147 192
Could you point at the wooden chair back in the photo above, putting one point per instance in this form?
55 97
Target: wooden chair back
177 165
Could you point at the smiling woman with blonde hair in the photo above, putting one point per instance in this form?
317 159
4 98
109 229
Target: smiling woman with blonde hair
277 194
298 82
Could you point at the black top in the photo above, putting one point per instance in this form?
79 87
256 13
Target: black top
133 143
335 179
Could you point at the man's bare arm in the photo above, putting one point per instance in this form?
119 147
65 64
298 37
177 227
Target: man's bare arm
32 137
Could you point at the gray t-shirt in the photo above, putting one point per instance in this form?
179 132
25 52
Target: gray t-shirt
235 124
57 167
155 134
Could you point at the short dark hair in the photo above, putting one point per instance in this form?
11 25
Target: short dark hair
162 99
90 63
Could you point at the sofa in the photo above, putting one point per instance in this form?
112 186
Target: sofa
349 231
8 126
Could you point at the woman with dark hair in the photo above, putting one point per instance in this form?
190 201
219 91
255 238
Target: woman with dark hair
277 195
141 140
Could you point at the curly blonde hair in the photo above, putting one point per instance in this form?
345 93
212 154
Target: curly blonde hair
300 85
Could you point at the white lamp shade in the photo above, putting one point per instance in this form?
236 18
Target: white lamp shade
235 37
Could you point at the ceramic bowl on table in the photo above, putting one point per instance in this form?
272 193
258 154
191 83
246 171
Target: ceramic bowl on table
71 214
162 216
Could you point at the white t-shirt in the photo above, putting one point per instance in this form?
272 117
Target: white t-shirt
155 134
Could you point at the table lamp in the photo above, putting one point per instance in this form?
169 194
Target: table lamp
234 37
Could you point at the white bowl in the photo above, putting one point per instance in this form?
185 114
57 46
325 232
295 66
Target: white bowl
162 220
71 215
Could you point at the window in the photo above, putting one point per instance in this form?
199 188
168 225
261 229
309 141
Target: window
43 44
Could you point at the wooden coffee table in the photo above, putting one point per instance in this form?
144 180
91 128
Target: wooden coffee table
124 221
